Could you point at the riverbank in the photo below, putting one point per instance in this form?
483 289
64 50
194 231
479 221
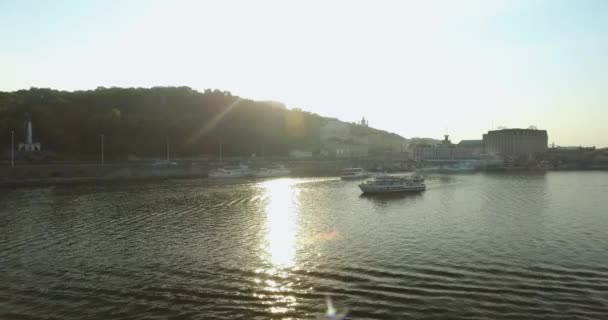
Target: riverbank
51 174
84 173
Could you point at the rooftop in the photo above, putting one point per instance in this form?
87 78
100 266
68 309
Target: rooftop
518 129
470 143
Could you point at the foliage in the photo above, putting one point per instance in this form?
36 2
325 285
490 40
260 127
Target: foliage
137 122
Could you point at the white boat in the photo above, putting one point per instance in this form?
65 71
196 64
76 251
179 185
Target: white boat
354 174
272 171
164 163
391 184
458 168
239 171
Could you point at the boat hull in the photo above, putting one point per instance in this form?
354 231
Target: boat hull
355 177
390 189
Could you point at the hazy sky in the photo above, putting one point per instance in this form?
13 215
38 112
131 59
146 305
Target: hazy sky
415 68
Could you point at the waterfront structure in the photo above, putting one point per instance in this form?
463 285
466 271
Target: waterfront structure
515 142
577 157
446 150
441 151
468 149
346 150
29 145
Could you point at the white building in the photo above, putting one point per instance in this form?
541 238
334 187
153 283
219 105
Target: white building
346 150
515 141
335 130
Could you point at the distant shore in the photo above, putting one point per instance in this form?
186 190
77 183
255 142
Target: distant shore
83 173
51 174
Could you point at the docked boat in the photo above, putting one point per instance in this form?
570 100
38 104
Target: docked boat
239 171
392 184
354 174
458 168
272 171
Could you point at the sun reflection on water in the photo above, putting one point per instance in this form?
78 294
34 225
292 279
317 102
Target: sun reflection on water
276 285
281 216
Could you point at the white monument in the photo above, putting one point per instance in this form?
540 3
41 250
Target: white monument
28 145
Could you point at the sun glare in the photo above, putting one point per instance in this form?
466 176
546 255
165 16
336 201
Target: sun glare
281 214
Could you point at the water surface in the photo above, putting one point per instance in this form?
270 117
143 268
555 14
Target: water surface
471 247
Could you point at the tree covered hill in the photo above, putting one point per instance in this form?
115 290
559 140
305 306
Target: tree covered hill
137 122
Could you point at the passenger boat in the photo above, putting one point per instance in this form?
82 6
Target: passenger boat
354 174
272 171
239 171
391 184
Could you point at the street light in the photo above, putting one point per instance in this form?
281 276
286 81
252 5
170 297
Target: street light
102 151
168 149
12 148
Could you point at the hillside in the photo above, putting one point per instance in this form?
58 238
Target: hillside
136 122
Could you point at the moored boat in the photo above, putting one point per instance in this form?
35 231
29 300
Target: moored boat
239 171
354 174
458 168
272 171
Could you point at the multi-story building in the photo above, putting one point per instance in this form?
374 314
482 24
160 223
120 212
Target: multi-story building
335 131
346 150
441 151
468 149
446 150
515 142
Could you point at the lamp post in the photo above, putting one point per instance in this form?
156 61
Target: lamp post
102 150
167 149
12 148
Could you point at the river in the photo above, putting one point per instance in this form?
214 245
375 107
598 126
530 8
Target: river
478 246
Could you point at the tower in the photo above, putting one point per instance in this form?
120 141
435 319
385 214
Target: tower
29 132
364 122
29 145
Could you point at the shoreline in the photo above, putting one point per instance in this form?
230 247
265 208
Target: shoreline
43 175
158 176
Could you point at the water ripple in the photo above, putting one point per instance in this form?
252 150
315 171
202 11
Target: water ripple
470 247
